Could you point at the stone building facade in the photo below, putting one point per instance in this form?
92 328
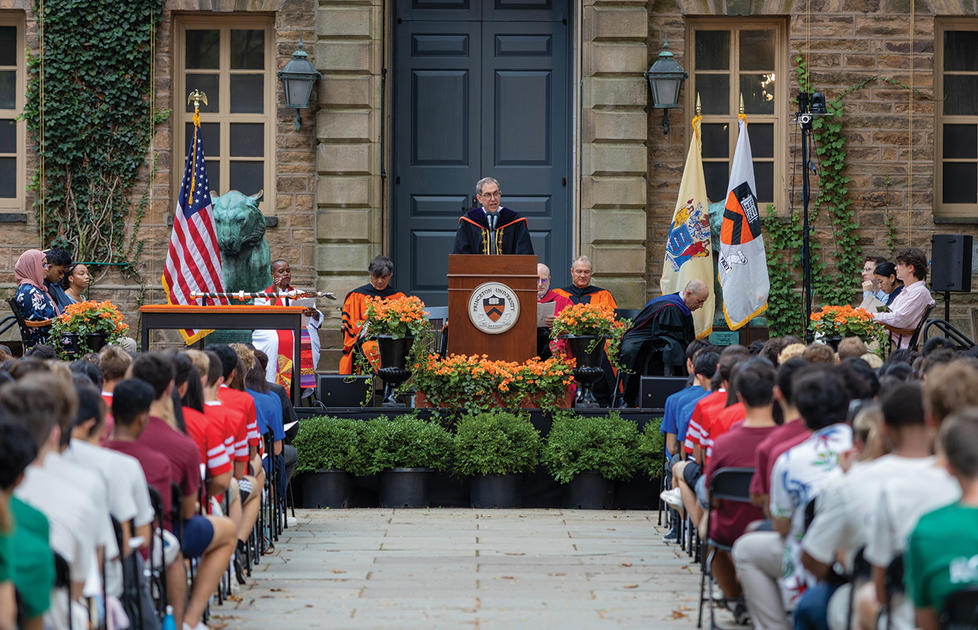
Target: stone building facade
330 185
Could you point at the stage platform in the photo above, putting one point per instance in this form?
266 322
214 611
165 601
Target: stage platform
539 490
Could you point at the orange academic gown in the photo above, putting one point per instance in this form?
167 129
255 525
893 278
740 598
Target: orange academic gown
354 314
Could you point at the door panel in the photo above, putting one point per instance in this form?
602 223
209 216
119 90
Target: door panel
477 93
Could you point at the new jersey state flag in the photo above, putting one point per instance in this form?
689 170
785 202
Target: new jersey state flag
689 254
742 264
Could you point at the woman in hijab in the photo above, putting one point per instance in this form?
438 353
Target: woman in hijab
32 297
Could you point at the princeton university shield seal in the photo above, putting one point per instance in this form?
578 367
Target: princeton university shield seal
493 308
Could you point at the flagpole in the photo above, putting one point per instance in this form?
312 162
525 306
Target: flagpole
805 122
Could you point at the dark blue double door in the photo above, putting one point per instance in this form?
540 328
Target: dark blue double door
479 90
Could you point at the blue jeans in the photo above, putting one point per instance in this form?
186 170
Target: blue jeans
811 612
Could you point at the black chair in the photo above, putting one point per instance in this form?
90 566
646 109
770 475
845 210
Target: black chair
157 574
960 610
24 325
726 484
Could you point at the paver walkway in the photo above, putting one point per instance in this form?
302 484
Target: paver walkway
451 568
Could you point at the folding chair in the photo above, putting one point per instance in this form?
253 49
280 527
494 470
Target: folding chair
894 585
726 484
861 570
157 574
960 610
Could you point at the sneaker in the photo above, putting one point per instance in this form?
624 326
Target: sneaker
673 498
671 536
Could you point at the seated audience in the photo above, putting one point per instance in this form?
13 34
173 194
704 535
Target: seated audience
26 561
754 383
942 553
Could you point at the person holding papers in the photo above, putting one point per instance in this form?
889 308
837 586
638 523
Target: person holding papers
277 344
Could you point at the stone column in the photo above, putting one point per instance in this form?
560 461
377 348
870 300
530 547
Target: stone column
349 37
613 152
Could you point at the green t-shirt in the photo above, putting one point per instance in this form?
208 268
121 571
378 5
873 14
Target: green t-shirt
33 564
6 571
942 555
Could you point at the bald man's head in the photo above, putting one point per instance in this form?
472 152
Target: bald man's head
695 294
543 280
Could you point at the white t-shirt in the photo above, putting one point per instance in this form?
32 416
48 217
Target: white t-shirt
90 485
796 479
842 518
900 504
73 519
115 472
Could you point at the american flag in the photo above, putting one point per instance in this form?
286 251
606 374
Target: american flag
193 262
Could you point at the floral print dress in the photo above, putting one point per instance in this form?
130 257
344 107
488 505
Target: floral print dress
36 305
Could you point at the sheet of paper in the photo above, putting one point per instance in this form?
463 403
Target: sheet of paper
544 311
308 303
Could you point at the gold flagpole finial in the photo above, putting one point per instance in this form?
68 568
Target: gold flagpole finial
196 97
699 106
741 102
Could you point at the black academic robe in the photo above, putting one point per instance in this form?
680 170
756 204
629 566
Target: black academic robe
665 323
512 236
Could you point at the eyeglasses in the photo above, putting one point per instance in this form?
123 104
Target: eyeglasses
492 195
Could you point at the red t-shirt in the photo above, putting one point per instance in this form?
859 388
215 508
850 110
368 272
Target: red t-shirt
179 449
209 437
235 428
734 449
156 467
711 404
720 424
244 404
777 442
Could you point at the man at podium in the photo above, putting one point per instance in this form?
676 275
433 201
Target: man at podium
491 228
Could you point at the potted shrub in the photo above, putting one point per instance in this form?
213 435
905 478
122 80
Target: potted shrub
589 454
651 448
495 448
404 451
329 450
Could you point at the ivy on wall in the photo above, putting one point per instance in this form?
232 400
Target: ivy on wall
95 98
834 206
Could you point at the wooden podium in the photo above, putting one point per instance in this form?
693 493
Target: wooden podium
466 274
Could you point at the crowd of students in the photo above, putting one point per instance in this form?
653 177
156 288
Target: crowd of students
863 500
119 462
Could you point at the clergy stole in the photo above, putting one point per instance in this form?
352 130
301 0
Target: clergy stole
283 370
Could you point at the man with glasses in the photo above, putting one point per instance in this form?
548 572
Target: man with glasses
491 228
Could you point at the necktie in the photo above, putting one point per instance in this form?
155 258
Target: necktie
492 233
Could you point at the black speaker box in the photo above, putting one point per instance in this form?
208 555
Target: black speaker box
335 391
950 267
655 389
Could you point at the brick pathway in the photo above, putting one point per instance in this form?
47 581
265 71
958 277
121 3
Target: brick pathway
451 568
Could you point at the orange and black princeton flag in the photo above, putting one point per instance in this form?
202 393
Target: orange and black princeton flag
742 264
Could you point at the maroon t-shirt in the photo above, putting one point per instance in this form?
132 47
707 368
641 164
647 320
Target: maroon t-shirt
156 467
734 449
179 449
777 442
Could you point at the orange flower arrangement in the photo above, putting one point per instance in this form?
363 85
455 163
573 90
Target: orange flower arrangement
400 317
592 319
476 383
846 321
88 318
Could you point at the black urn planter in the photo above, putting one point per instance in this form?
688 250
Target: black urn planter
95 341
495 491
404 487
589 491
586 350
832 342
326 488
69 344
393 370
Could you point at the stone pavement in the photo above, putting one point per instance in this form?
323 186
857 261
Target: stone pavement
451 568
